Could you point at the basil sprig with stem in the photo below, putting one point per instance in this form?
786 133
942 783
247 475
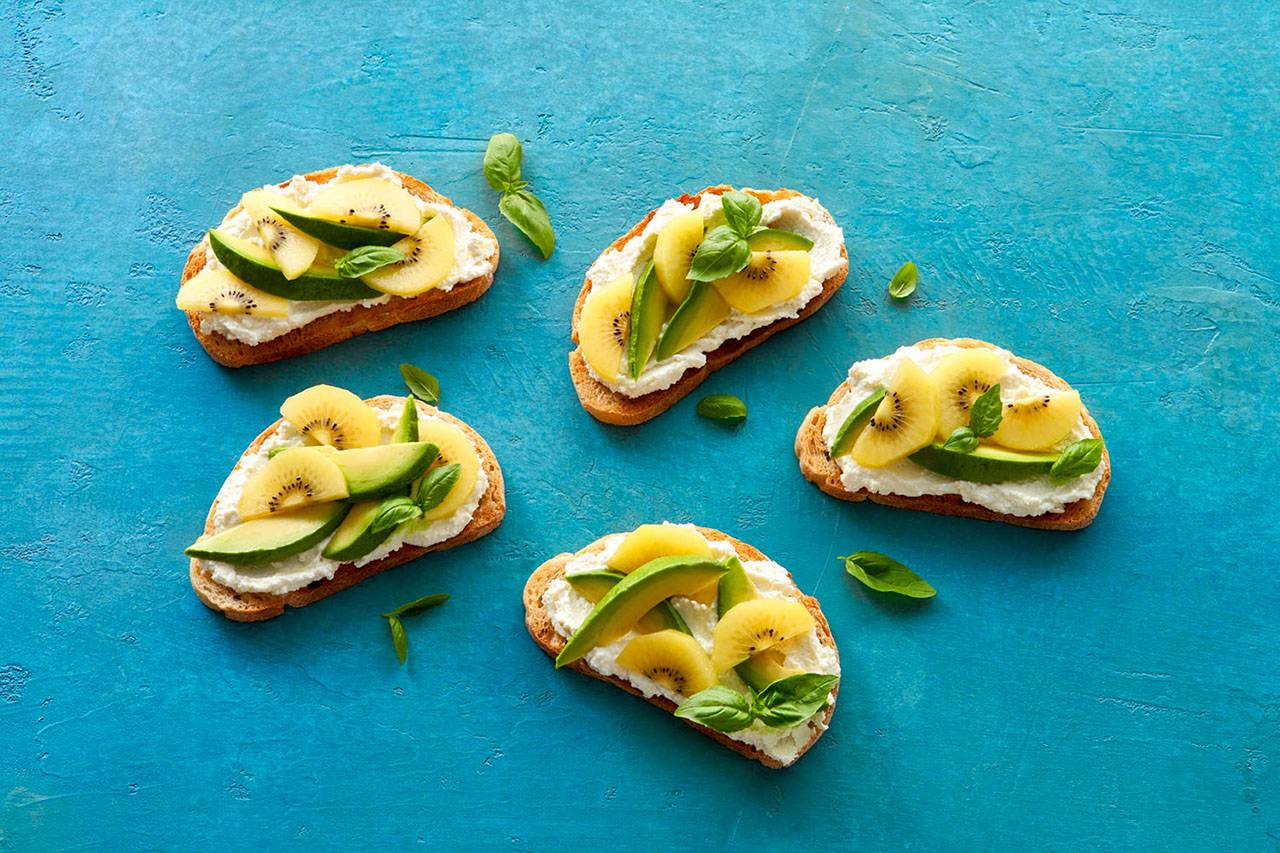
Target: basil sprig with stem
725 250
519 205
398 634
885 574
785 703
366 259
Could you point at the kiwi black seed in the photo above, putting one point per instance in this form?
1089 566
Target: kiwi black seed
620 327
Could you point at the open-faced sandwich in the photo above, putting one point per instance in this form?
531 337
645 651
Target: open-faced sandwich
959 427
700 625
337 491
327 256
694 285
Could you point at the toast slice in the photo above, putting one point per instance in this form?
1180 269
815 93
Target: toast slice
610 407
538 621
819 468
341 325
257 607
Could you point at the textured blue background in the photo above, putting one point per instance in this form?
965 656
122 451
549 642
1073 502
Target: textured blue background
1090 184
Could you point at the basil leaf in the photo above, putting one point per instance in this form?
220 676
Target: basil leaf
422 384
962 439
436 485
722 253
523 210
399 637
722 407
394 514
366 259
718 708
790 701
885 574
985 413
421 605
741 212
904 281
502 162
1077 459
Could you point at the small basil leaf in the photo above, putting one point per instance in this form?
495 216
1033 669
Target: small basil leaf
741 212
394 514
436 485
986 413
722 253
502 162
722 407
904 281
1077 459
421 605
425 386
524 210
399 638
792 700
366 259
962 439
717 708
885 574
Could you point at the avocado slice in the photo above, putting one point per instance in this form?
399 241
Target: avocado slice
337 234
375 472
253 265
648 311
702 310
266 540
407 427
634 596
986 464
594 584
853 424
356 536
776 240
759 670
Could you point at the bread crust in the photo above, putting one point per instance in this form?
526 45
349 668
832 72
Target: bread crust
341 325
820 469
538 622
257 607
610 407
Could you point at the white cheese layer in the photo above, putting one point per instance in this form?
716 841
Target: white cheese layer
1033 496
472 254
298 571
800 215
567 609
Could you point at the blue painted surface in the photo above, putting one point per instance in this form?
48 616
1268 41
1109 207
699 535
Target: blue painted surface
1091 185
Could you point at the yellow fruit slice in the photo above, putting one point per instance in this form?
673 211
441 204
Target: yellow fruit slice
369 203
222 293
604 325
1034 423
292 251
905 421
651 541
961 378
293 479
756 625
769 278
454 447
672 659
428 259
677 243
333 416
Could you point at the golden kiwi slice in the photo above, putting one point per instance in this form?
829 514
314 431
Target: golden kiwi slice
905 421
677 243
767 279
298 477
672 659
454 447
428 257
604 325
1037 422
756 625
292 251
963 377
222 293
368 203
333 416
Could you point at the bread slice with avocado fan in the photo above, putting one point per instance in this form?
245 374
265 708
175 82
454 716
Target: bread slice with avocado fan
819 468
257 607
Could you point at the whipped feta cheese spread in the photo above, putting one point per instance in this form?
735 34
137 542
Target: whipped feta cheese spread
298 571
567 609
1033 496
800 215
472 254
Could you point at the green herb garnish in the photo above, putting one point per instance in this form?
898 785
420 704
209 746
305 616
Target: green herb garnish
885 574
785 703
725 250
985 413
722 407
421 383
436 485
1077 459
520 206
366 259
904 281
398 635
719 708
962 439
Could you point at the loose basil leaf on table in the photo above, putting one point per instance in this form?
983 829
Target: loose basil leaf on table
436 486
722 407
421 605
792 700
423 385
502 162
741 212
885 574
399 637
718 708
366 259
962 439
904 281
985 413
1077 459
722 253
525 211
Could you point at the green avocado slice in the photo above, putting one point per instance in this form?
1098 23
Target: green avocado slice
775 240
407 427
277 537
634 596
594 584
702 310
852 426
253 265
357 535
337 234
648 311
375 472
986 464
